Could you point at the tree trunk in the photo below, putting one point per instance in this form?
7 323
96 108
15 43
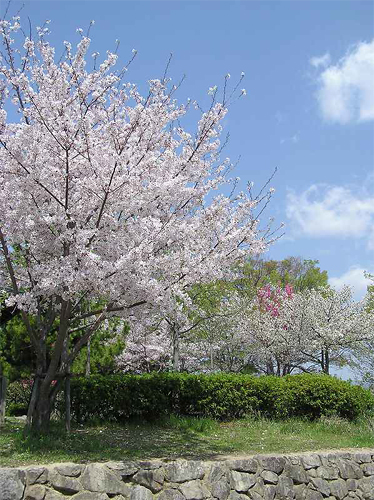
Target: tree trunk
269 367
325 361
3 385
41 404
176 350
41 414
67 403
88 361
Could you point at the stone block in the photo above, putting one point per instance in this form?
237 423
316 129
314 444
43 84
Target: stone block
285 488
150 464
68 469
244 465
90 495
123 469
312 495
237 496
300 491
366 486
362 458
35 492
274 464
352 484
269 492
258 488
296 473
241 481
253 495
151 479
53 495
170 494
328 473
36 475
338 489
220 489
310 461
320 485
194 490
12 484
216 473
349 470
269 477
140 493
98 477
64 484
368 469
353 496
178 472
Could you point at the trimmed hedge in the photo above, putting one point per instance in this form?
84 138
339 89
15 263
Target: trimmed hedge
220 396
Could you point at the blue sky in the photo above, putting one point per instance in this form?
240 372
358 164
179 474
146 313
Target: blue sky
309 111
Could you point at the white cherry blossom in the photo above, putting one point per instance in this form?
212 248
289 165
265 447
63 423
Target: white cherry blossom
104 199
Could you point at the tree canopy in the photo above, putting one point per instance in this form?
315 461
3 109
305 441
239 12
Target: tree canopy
105 198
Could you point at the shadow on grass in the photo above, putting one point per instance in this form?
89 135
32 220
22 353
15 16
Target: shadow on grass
105 442
179 437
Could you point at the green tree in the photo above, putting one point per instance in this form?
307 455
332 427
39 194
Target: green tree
211 300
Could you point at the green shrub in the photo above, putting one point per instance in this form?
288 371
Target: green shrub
16 410
18 395
219 396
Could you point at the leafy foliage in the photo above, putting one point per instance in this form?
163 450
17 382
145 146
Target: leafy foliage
16 353
218 396
18 397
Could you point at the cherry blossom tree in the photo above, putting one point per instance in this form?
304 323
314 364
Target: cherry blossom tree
104 197
148 348
275 351
362 360
334 325
313 328
282 331
169 342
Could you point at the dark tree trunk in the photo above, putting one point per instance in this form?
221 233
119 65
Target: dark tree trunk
67 404
44 394
176 351
269 367
3 386
286 369
41 415
88 360
325 361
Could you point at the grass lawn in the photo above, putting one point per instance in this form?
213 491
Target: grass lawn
179 438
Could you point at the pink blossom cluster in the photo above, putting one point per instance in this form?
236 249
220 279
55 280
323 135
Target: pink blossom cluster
271 297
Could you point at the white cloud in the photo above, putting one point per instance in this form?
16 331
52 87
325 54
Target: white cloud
323 61
323 211
280 117
294 139
346 90
355 277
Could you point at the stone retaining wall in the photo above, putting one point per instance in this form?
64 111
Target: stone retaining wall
307 476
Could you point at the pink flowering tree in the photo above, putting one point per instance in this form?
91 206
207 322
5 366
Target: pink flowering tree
309 330
268 330
104 197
